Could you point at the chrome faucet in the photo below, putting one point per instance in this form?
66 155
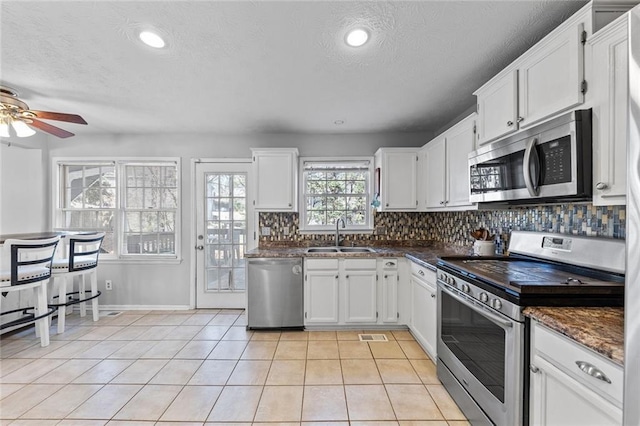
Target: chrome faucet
338 230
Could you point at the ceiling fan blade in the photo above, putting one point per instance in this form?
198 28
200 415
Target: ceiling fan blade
59 116
45 127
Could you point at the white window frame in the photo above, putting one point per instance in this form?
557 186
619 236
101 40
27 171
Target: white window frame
57 216
330 228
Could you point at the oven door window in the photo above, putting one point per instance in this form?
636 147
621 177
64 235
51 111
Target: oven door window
477 342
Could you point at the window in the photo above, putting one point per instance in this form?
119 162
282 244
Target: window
334 189
134 202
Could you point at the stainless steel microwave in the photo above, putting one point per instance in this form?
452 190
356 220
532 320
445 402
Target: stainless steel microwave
549 161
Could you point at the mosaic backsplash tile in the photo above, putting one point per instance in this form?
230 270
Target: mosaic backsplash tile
455 227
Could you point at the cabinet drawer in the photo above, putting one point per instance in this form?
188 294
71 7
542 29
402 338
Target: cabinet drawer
322 264
423 272
566 354
359 264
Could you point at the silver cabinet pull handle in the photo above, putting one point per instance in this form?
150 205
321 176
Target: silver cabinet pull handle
533 368
593 371
433 295
199 247
520 119
601 186
509 123
421 272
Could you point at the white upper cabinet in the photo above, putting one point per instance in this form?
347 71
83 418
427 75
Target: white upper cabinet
446 168
398 178
435 173
460 142
551 76
545 81
610 96
498 108
275 181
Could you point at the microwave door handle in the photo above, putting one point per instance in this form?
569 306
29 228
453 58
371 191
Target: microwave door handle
526 167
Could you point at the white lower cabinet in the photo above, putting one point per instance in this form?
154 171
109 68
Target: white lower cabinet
359 291
321 291
424 318
570 384
348 292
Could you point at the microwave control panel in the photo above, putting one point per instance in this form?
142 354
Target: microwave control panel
556 161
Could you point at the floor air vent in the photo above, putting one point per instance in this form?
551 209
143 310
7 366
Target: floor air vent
111 314
373 338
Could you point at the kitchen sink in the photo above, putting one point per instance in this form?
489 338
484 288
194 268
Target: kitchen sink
322 250
356 250
340 250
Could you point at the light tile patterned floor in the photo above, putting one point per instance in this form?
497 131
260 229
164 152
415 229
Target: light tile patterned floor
197 367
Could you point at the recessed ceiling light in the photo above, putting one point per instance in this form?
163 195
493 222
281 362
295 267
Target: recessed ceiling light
152 39
357 37
338 122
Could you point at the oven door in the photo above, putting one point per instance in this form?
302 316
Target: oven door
484 351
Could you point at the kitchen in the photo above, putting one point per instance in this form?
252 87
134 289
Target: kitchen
170 289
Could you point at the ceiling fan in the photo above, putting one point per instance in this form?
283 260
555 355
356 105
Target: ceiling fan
16 113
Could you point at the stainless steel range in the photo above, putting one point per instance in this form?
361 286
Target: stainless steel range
482 333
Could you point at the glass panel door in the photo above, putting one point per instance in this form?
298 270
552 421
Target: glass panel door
222 230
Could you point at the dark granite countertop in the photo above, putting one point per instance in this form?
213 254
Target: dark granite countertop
426 255
599 329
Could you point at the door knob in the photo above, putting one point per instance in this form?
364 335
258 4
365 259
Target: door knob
601 186
199 247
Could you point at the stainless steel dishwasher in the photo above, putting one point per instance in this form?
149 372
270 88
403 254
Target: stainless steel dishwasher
274 293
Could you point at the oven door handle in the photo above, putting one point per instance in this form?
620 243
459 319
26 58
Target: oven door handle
489 315
531 153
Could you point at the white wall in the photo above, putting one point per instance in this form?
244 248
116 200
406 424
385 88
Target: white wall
170 285
24 196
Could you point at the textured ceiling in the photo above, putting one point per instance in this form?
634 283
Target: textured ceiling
261 66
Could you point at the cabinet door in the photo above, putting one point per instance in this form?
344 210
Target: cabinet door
611 90
321 297
275 180
459 145
434 173
558 399
424 314
390 296
497 108
550 79
399 180
360 296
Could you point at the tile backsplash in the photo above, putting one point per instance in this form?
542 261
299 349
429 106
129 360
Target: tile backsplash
455 227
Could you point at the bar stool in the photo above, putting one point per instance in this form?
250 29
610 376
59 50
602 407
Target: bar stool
81 260
26 264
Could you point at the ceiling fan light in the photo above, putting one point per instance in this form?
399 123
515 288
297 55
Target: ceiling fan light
4 128
21 128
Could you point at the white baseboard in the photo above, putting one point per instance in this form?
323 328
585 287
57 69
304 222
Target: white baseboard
139 307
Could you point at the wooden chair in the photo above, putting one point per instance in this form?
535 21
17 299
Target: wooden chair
81 260
26 265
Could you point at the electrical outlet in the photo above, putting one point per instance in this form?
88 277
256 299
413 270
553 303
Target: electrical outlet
285 230
381 230
108 284
265 231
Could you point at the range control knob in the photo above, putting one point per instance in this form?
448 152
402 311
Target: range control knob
496 303
465 288
453 282
484 297
441 276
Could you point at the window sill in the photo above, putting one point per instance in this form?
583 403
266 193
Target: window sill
333 231
146 261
